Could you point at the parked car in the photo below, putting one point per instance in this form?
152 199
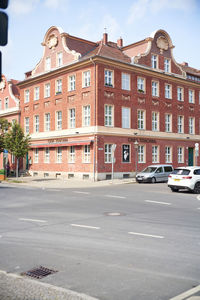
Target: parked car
154 173
185 178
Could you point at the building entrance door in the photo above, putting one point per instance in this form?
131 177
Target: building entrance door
190 156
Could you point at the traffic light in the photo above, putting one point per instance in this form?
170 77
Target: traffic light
3 27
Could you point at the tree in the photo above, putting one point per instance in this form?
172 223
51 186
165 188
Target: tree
17 143
4 126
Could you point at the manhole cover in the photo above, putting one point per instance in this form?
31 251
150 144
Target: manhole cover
114 214
39 272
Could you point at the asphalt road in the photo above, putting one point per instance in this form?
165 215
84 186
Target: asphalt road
120 242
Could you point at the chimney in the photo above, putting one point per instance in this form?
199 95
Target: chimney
120 42
184 64
105 38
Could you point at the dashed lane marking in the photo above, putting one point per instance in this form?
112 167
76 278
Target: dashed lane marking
157 202
147 235
115 196
79 192
32 220
85 226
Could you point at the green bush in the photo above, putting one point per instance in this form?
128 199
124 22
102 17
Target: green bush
2 172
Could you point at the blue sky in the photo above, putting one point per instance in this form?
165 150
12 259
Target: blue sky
133 20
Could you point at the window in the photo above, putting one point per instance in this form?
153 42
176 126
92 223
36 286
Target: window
155 121
180 124
6 103
86 154
168 123
109 78
58 86
86 79
59 120
36 123
154 61
71 154
125 153
191 96
12 159
141 84
168 155
47 122
59 59
46 155
167 65
180 155
179 93
108 115
86 115
191 125
125 81
108 153
48 64
27 125
59 155
141 154
155 89
155 155
47 90
36 155
168 92
36 93
125 117
71 83
141 119
72 118
27 96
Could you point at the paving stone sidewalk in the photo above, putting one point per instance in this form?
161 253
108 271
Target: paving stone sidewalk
15 287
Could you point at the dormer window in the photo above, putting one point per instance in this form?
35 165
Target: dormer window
154 61
167 65
59 59
6 103
48 64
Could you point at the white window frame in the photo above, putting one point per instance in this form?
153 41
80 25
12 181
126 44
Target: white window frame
108 153
168 91
109 78
59 59
72 118
191 96
167 65
141 154
86 115
141 84
86 154
155 154
59 155
126 80
46 155
71 155
155 88
155 121
47 122
168 154
108 115
47 90
154 61
36 93
126 113
6 103
59 120
27 125
12 158
71 83
48 63
180 152
141 119
180 124
36 155
168 122
36 123
191 122
58 86
86 79
180 93
26 96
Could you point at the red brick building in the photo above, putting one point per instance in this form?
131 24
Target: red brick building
83 97
10 110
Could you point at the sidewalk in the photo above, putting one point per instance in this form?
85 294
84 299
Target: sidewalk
60 183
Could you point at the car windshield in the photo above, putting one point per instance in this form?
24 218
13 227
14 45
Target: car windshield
149 170
181 171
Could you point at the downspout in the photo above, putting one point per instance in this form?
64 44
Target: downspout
95 138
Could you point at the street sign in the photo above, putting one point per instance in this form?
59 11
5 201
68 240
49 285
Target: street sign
196 146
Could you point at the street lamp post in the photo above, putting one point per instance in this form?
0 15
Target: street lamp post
136 155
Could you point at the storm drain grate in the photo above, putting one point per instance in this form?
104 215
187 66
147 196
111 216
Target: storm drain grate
39 272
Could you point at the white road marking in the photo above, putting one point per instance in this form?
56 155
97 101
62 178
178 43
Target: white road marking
113 196
78 192
32 220
198 197
147 235
188 293
157 202
85 226
198 208
0 236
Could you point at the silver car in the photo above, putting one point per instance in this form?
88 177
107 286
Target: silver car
154 173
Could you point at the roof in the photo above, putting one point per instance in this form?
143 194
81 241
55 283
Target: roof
190 70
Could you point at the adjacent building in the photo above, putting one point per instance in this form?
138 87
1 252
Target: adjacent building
84 97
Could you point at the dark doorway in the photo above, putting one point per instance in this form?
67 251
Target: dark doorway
190 156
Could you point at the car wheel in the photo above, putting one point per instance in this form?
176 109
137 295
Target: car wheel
197 188
153 180
174 189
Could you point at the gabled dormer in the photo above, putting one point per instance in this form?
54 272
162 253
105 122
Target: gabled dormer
9 96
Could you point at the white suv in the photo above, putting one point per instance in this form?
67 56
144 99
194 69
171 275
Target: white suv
185 178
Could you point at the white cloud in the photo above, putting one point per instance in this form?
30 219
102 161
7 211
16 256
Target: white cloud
22 7
142 8
55 4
